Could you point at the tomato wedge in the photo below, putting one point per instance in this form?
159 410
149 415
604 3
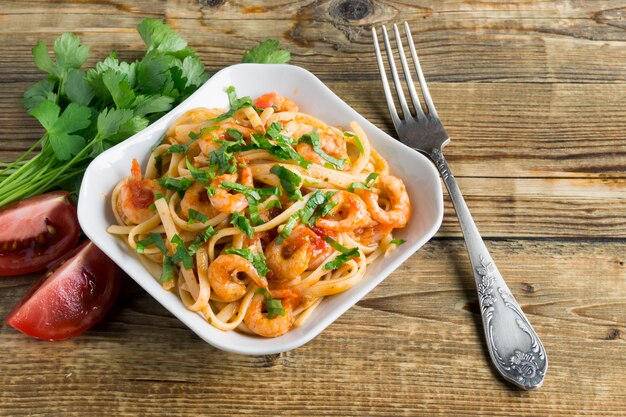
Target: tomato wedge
70 298
36 231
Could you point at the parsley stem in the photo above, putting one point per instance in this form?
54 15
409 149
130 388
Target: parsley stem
24 155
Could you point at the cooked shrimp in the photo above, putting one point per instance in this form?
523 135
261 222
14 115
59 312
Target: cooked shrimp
330 144
371 235
321 249
223 276
273 99
196 197
136 197
348 214
223 200
290 258
394 190
259 323
209 140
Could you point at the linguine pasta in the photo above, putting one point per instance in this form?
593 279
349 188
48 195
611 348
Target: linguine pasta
254 214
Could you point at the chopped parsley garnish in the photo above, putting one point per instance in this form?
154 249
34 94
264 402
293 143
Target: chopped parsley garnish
195 136
316 199
167 273
153 239
274 129
234 134
274 307
235 104
317 206
369 181
181 255
289 180
254 195
397 242
274 203
314 140
356 140
288 227
323 208
276 144
346 254
196 216
244 189
200 175
200 239
256 259
175 184
242 223
224 159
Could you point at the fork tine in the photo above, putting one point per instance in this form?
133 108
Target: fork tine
420 75
394 74
407 75
383 77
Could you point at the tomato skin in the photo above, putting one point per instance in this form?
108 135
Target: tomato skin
70 298
36 232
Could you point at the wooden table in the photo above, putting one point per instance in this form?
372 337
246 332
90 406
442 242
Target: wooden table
534 95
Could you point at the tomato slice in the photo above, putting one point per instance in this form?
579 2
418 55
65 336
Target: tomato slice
36 232
70 298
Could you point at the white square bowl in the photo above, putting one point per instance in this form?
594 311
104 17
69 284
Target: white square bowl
312 96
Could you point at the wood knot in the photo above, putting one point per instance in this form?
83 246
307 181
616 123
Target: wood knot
210 3
614 334
528 288
275 359
352 9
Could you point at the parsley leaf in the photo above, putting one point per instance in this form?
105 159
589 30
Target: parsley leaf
235 104
181 255
152 239
242 223
167 272
314 140
59 128
40 91
316 199
274 307
200 175
196 216
289 180
174 184
161 38
76 88
397 242
356 140
256 259
267 52
369 181
200 239
339 260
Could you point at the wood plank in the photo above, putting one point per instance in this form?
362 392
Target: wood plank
534 42
498 130
428 357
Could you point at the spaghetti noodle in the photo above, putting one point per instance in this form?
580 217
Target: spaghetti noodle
253 215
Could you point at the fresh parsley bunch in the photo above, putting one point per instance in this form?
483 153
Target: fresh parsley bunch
86 112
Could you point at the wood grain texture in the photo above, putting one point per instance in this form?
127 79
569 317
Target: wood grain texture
533 93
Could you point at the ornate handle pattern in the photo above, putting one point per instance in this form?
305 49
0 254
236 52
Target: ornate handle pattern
514 347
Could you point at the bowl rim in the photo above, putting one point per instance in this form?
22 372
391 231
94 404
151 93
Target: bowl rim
102 238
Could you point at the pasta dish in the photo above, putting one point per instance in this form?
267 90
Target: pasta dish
254 214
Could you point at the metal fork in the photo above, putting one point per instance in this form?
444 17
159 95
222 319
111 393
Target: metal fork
514 347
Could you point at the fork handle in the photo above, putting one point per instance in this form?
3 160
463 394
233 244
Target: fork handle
514 347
